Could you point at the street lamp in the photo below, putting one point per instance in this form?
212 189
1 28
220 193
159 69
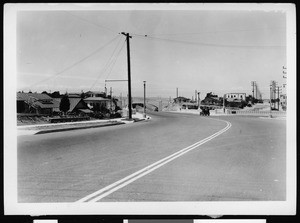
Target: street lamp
198 100
144 99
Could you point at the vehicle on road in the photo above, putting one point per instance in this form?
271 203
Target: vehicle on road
204 111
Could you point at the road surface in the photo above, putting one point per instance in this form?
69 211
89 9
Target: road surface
172 157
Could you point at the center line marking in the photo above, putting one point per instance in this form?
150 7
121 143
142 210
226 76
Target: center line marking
98 195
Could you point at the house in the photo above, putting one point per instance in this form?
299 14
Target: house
95 94
77 105
181 100
36 103
74 95
97 103
232 96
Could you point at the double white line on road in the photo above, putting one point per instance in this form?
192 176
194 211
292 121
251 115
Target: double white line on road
98 195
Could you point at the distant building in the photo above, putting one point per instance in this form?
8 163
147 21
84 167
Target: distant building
96 103
232 96
283 101
95 94
181 100
74 95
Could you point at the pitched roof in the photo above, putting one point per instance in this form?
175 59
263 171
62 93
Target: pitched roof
37 96
73 102
95 92
95 99
52 104
86 110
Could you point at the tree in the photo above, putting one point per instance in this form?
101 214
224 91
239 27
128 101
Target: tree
55 94
82 95
64 105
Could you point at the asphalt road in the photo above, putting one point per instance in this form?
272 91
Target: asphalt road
246 162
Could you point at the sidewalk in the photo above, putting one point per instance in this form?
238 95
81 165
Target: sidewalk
59 127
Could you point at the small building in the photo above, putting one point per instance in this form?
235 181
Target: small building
232 96
181 100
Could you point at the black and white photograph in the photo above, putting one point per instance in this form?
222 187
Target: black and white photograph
177 109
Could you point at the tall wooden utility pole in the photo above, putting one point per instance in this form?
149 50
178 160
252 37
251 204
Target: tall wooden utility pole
129 78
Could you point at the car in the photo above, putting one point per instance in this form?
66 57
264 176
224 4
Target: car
205 111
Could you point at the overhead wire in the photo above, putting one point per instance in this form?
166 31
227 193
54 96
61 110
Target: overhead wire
205 44
222 31
110 62
76 63
115 60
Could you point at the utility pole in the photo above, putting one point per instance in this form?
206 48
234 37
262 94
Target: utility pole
272 93
121 100
144 99
198 100
176 92
255 90
110 98
253 84
270 100
278 99
129 78
224 103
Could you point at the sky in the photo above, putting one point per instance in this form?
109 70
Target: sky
219 51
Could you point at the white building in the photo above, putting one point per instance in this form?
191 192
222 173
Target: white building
240 96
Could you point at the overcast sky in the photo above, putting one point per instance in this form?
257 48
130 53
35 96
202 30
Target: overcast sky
205 50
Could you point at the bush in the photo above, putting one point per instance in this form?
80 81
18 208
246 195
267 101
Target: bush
115 115
98 115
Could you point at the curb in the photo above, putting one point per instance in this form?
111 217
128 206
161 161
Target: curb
101 124
76 128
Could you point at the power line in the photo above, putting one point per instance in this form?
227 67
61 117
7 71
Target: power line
115 60
109 62
204 44
76 63
106 65
209 32
92 23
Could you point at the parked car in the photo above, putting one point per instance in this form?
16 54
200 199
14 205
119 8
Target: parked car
204 111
